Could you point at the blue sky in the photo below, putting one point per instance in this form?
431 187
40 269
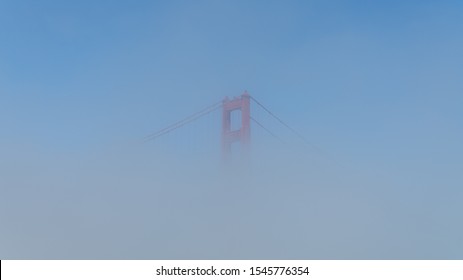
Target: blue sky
376 85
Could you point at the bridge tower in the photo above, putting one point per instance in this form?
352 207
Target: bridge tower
243 134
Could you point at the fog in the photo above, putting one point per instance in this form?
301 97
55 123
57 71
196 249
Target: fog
143 204
375 90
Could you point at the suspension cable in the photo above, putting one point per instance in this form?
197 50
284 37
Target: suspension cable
268 130
183 122
286 125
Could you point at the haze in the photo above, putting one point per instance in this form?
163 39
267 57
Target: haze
375 87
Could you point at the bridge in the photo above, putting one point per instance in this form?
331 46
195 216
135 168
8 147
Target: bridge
241 135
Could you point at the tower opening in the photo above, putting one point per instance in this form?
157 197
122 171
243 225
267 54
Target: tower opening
242 131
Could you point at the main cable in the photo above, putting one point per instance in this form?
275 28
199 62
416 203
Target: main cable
183 122
268 130
286 125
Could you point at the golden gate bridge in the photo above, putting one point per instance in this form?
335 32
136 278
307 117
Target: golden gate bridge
242 135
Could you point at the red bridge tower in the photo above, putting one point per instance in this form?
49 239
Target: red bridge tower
243 134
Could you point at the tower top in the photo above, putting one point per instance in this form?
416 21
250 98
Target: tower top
243 134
